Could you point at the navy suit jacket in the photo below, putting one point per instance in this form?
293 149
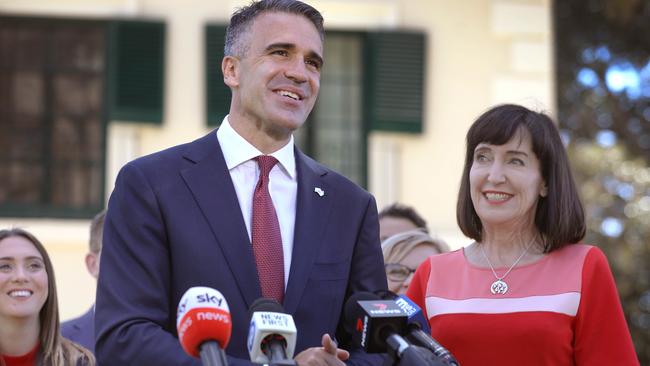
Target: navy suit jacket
81 330
174 222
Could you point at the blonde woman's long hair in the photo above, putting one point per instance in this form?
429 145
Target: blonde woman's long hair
54 350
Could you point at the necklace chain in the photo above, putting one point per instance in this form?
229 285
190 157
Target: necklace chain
509 269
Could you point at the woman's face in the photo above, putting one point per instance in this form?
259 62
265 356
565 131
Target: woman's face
408 265
506 182
23 279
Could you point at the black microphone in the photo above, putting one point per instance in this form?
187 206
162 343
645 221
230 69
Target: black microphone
413 311
422 339
414 332
416 356
376 326
371 320
272 334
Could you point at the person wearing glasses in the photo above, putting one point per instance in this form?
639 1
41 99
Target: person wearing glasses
403 252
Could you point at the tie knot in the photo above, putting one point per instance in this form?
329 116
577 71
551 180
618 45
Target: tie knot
266 163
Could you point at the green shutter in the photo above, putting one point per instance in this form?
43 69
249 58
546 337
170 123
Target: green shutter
395 81
217 94
136 68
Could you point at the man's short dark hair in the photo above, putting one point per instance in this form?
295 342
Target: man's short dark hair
242 19
559 216
404 212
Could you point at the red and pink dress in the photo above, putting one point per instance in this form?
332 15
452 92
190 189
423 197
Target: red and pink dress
561 310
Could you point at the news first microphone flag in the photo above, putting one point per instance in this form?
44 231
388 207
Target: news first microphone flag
266 323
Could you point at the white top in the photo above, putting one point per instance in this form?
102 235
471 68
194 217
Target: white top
283 185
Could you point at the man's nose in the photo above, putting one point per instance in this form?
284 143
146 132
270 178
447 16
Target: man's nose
296 70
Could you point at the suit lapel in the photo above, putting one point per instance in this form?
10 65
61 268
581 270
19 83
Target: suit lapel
312 211
210 183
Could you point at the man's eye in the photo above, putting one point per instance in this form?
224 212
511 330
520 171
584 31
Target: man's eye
280 53
315 64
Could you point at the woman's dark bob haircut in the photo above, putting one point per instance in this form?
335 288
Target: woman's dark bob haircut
559 216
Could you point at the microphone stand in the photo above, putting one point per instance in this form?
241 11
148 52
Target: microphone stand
410 355
212 354
278 355
418 356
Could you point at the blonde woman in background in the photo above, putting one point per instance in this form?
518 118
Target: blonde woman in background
403 252
29 312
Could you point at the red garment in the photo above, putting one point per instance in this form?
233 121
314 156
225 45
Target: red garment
265 235
561 310
28 359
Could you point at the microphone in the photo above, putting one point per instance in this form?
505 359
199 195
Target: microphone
415 314
378 328
422 339
416 356
272 333
203 325
416 332
371 321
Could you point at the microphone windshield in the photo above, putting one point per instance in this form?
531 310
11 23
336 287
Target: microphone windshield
415 314
386 294
371 320
353 313
203 315
265 304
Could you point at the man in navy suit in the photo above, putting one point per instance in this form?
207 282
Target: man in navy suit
82 329
182 217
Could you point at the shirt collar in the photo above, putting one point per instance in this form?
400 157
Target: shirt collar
236 150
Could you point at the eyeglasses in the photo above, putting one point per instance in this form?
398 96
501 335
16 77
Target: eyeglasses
398 272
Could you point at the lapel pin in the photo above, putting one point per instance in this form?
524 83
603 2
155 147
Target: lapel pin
319 191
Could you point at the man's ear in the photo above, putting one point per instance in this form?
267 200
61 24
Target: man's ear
92 264
230 71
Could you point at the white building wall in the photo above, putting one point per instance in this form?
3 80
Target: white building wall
480 52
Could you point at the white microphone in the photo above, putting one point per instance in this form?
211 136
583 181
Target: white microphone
272 334
203 324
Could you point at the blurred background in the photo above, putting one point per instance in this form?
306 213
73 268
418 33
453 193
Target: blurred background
88 85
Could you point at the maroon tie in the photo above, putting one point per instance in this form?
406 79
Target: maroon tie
267 240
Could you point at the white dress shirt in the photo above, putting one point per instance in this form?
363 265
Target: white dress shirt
283 185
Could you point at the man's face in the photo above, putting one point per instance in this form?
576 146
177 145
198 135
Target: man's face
276 81
391 225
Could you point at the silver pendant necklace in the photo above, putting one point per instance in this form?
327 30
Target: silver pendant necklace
500 287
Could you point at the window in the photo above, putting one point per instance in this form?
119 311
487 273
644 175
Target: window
57 88
335 133
371 80
51 117
136 67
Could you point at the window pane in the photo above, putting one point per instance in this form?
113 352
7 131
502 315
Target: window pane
51 87
337 120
